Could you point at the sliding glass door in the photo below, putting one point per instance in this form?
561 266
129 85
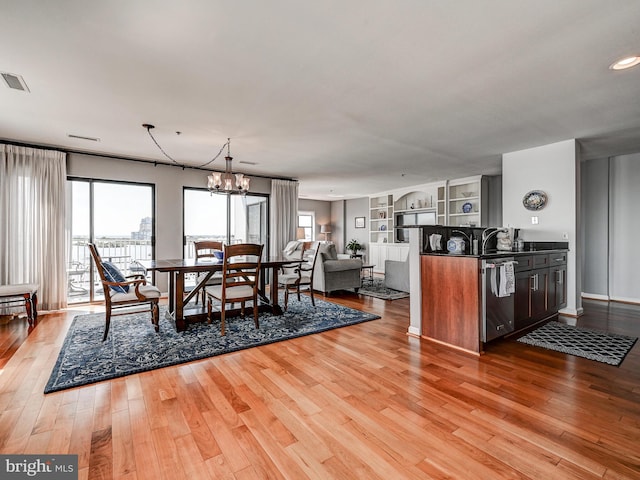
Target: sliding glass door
119 218
226 218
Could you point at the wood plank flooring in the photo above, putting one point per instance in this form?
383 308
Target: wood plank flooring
361 402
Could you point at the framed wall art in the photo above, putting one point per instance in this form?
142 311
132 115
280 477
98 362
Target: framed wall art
360 222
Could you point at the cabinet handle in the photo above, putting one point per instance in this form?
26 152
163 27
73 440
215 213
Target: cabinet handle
535 282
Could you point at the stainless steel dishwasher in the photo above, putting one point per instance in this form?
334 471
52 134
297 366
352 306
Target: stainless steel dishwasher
497 310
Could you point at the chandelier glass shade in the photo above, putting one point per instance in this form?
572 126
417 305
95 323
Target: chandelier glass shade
227 182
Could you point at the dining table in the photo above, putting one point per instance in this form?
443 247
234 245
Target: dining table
183 312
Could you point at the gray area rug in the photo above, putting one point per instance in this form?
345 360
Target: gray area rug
582 342
133 346
376 288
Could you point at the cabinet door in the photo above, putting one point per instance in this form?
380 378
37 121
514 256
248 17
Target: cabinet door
398 253
539 291
557 288
377 256
522 300
558 277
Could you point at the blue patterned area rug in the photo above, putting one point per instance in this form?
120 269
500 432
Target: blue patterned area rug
581 342
133 346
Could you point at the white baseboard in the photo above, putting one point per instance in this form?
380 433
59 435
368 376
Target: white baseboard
414 331
607 298
595 296
626 300
572 312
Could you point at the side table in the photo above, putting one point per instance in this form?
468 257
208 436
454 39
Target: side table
366 273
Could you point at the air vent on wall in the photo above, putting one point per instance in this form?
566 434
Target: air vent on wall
80 137
14 81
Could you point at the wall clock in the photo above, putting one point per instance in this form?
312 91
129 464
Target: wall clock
535 200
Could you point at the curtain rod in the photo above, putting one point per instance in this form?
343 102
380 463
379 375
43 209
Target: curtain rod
155 163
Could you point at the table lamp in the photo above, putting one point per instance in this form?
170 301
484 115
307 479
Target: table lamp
326 229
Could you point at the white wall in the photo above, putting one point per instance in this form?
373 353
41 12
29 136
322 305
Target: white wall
357 207
624 228
554 169
595 228
322 211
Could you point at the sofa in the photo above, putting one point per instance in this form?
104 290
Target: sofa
333 271
396 274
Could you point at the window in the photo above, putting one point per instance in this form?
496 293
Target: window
307 221
225 218
118 218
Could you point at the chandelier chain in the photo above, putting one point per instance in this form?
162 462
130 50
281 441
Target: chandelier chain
149 127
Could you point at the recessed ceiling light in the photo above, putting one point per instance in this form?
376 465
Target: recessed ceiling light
626 62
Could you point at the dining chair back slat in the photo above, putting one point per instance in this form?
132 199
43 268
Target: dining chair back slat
240 280
205 249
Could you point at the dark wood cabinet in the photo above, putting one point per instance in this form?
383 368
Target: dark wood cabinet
557 281
539 294
540 287
522 300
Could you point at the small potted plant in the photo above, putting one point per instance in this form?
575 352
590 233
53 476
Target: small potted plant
354 246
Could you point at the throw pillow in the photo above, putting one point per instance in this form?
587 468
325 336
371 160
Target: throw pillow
113 274
291 247
331 252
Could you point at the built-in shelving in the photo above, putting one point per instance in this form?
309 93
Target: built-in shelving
465 199
460 202
381 219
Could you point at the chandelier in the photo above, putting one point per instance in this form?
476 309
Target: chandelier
228 182
218 182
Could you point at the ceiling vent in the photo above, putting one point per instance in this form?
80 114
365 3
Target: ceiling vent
80 137
14 81
246 162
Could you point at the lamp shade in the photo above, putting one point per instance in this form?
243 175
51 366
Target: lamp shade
300 233
325 228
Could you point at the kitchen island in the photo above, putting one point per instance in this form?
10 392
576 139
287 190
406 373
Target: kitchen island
456 304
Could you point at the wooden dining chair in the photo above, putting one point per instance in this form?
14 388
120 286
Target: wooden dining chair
300 275
206 249
240 281
124 292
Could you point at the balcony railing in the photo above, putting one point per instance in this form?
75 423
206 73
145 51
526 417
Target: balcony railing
123 252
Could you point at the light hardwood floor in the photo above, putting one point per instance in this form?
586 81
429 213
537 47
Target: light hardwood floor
365 401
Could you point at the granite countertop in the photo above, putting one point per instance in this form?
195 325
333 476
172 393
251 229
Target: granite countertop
531 248
496 254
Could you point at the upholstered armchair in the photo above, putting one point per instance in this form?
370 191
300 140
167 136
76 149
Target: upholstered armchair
333 273
396 274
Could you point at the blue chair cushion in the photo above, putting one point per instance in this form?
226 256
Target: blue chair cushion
113 274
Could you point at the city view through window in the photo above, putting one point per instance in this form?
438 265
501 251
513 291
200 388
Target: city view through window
118 218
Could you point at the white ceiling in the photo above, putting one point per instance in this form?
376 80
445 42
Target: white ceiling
350 97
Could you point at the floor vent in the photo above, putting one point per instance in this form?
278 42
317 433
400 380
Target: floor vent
14 81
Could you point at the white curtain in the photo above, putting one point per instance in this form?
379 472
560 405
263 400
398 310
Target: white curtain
32 222
284 214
